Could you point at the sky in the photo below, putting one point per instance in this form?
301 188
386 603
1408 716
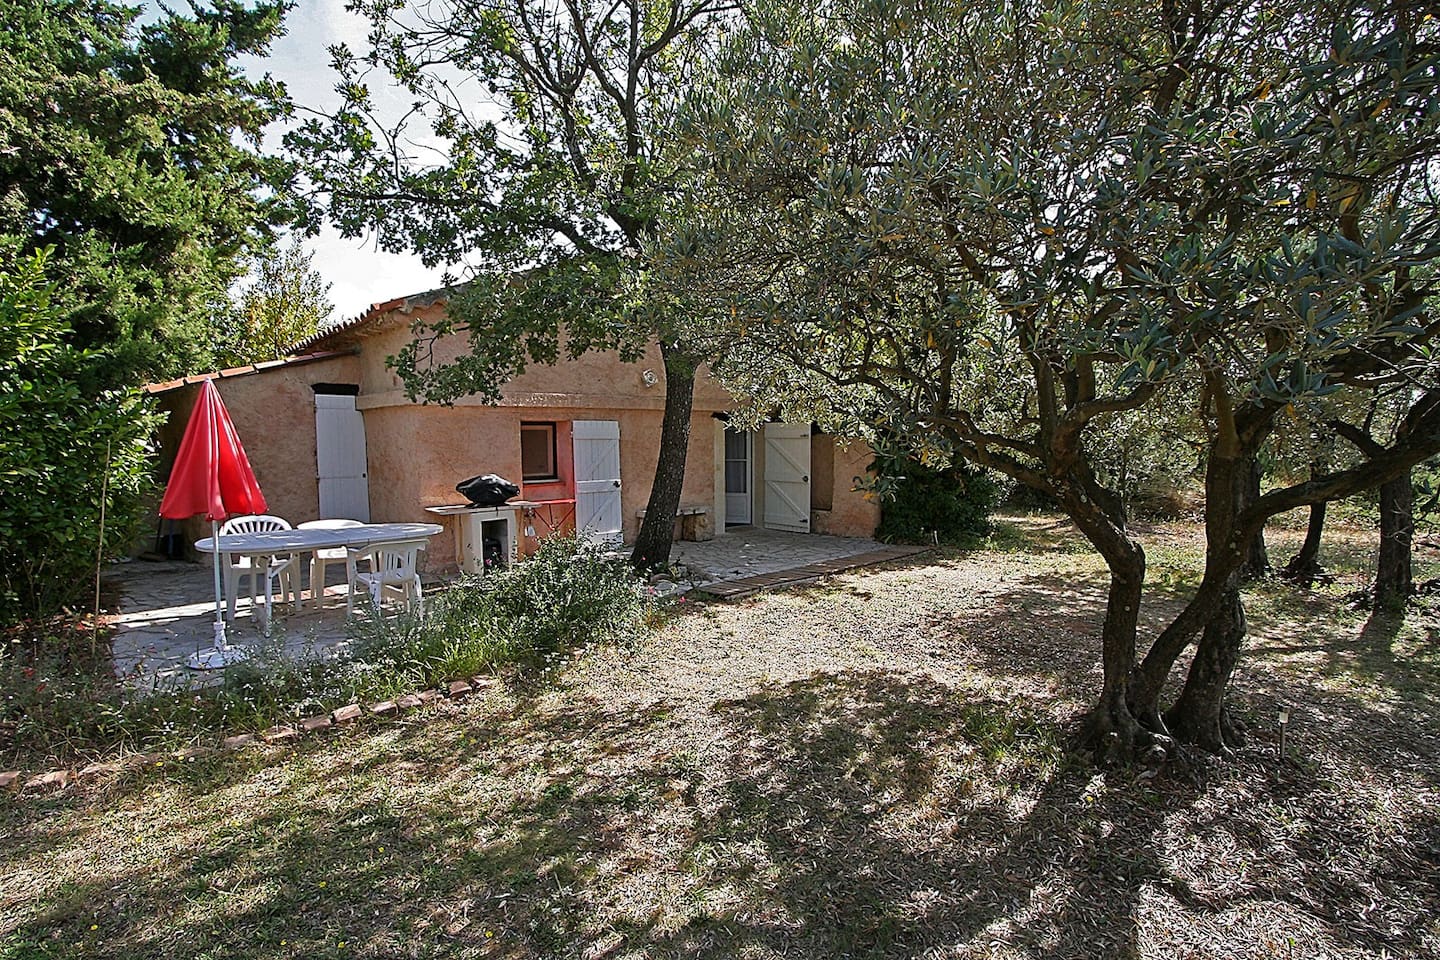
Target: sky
359 273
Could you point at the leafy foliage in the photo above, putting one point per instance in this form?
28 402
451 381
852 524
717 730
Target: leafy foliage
1001 231
952 504
571 593
132 150
557 125
286 302
64 456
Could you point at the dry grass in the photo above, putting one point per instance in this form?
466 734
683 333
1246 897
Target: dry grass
873 766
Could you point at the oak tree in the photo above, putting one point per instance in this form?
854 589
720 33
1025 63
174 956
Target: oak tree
535 164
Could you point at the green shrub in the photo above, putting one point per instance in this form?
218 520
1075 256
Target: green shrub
58 696
58 449
571 593
952 504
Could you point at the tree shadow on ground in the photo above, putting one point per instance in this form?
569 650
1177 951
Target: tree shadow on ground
877 815
852 813
1045 627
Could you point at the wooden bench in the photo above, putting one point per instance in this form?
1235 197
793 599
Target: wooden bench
693 523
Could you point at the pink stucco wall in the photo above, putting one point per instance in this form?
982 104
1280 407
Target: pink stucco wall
595 380
850 513
417 453
274 415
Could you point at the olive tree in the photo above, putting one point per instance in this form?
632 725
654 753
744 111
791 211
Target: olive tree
999 229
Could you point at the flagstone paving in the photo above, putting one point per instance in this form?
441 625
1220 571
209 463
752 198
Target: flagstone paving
167 612
167 608
744 552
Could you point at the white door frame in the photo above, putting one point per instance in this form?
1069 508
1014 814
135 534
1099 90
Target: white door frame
738 505
341 461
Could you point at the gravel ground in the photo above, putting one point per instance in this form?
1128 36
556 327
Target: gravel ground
873 766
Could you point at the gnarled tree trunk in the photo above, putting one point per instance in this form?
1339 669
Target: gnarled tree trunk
1256 565
1304 567
1394 579
657 530
1199 714
1214 612
1111 731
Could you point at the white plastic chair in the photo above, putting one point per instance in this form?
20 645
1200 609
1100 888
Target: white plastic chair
394 569
239 568
320 558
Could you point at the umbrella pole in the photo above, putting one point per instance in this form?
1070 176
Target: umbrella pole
220 644
221 654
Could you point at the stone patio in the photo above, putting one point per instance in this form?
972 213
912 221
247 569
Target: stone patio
167 612
744 552
167 609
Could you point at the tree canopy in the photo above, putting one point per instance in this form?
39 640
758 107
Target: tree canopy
999 230
132 149
286 301
536 162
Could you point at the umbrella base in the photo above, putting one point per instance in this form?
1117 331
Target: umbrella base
216 658
219 656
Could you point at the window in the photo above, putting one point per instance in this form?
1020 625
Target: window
537 451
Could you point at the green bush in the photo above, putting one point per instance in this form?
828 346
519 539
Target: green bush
58 696
571 593
58 449
952 504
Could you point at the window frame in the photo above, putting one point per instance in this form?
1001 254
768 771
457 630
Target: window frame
552 429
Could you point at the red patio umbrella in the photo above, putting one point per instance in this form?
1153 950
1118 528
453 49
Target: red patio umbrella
212 477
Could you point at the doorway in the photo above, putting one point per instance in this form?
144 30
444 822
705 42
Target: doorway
340 460
739 470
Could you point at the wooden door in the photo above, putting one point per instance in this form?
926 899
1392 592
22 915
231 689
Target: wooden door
340 458
598 513
787 476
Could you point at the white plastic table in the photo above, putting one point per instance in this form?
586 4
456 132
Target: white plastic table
279 543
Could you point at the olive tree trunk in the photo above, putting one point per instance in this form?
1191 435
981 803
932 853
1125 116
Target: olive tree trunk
1199 715
1214 612
1304 567
1256 565
1111 731
1394 578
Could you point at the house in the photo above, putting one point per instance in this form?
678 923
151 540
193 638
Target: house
330 433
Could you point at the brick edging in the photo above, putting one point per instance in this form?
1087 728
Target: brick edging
50 781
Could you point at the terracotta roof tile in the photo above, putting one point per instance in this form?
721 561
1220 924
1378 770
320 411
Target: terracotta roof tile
168 385
373 314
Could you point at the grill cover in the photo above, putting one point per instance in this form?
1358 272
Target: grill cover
487 490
